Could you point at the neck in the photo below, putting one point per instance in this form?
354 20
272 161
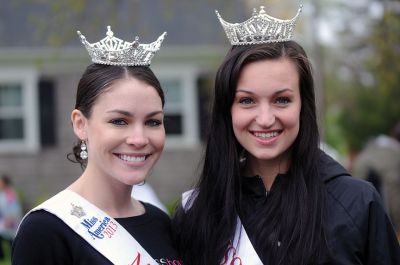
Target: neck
109 195
267 169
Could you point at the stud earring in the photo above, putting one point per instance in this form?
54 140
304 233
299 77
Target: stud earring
83 154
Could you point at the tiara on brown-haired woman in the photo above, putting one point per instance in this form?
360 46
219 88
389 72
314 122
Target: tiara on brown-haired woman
114 51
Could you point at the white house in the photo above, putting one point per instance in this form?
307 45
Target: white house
41 61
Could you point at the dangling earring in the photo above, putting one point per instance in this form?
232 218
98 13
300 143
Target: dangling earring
83 154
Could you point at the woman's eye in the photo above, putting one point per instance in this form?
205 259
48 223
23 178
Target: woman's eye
153 123
282 100
246 101
118 122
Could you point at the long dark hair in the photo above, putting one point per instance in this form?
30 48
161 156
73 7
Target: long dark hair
294 212
96 79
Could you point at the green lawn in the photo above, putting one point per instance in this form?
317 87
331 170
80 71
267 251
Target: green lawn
7 252
5 262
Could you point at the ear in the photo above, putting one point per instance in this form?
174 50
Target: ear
79 123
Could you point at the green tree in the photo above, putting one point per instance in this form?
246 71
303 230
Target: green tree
374 108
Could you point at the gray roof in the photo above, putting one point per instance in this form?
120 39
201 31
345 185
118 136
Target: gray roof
48 23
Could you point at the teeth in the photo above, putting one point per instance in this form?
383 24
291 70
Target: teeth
132 158
266 135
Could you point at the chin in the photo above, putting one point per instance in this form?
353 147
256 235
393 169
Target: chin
266 157
130 179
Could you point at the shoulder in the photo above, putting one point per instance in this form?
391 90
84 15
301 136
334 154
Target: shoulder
345 193
349 199
339 182
347 187
357 223
40 222
41 227
40 232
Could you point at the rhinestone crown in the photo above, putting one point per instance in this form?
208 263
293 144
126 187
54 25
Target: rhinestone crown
260 28
114 51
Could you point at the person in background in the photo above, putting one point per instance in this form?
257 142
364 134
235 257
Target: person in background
379 163
10 212
267 194
119 121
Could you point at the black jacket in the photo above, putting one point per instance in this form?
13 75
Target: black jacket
358 229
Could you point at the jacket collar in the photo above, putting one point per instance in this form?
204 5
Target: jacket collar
330 168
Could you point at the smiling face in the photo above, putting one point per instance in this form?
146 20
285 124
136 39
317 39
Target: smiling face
125 132
266 110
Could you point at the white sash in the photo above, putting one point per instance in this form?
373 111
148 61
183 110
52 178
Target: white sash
241 252
101 231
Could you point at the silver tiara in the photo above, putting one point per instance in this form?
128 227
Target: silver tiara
260 28
114 51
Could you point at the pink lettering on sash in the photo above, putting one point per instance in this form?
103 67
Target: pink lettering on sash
111 229
137 260
231 251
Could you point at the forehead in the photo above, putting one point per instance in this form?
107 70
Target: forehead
129 93
269 73
270 66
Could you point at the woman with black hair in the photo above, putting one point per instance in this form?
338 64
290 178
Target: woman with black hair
267 194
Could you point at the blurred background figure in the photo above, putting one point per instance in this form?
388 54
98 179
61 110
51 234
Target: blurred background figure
10 212
379 163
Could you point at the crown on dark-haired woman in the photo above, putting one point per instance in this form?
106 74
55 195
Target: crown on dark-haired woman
114 51
260 28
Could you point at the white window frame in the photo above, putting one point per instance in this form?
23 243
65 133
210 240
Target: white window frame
187 75
28 78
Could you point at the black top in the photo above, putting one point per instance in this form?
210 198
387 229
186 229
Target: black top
358 229
45 239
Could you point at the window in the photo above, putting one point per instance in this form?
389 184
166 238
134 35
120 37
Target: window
18 110
181 119
11 118
47 110
174 106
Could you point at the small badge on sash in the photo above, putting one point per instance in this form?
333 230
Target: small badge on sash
77 211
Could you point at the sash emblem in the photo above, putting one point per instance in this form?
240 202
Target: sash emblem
77 211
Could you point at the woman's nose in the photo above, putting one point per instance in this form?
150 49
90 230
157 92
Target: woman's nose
265 116
137 137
